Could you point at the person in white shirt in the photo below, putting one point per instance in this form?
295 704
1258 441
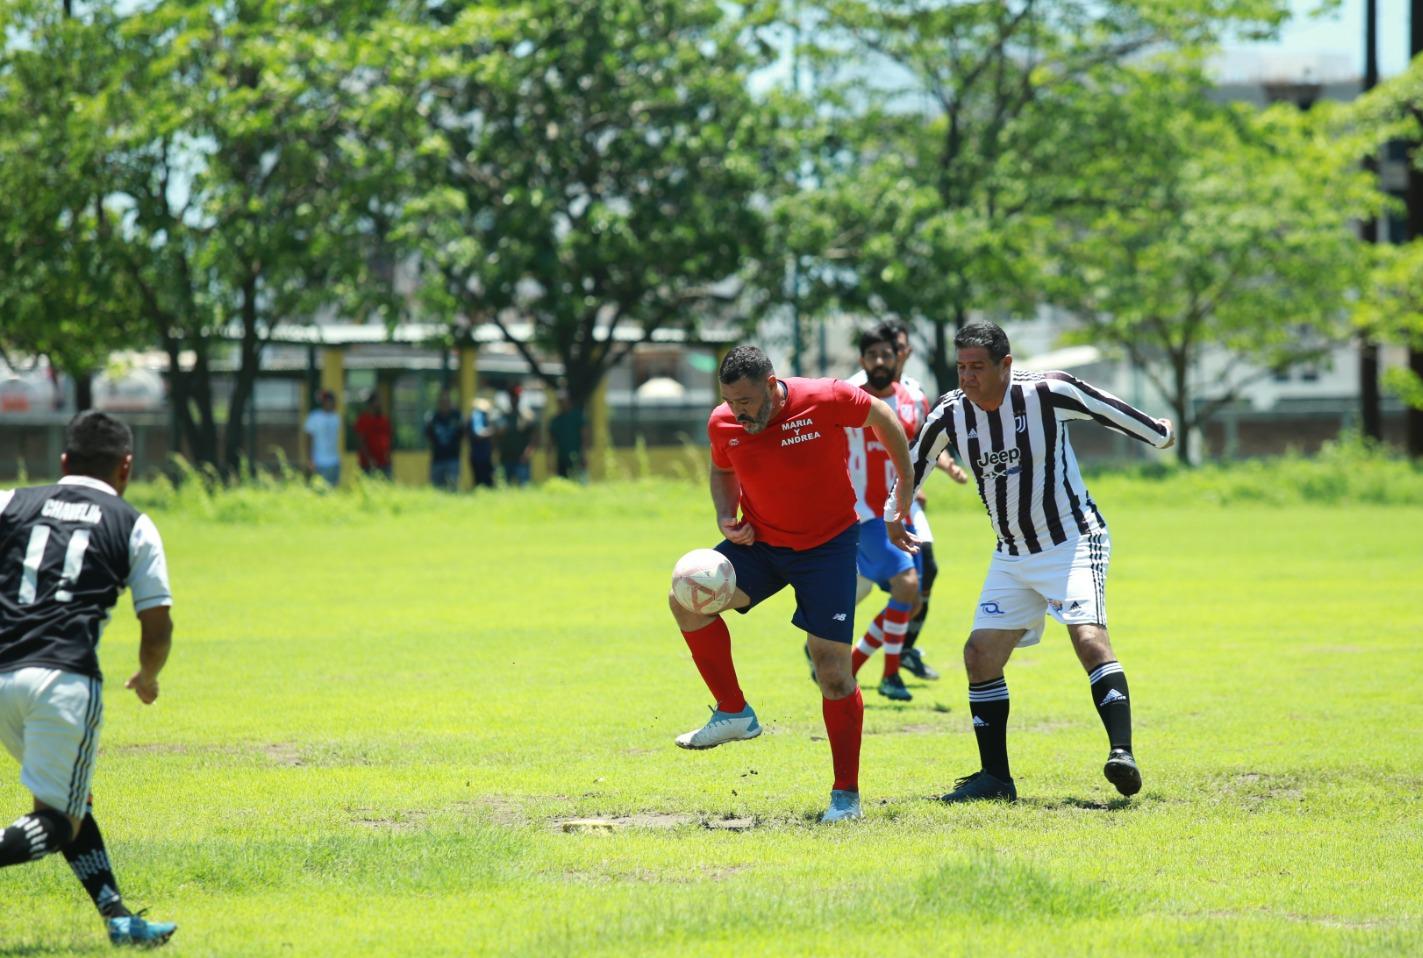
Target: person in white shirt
323 430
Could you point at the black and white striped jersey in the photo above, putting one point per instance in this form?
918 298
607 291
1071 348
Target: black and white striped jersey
66 552
1020 456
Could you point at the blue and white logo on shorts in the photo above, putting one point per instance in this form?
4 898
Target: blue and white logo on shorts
991 608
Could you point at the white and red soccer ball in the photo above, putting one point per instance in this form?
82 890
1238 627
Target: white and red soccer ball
703 581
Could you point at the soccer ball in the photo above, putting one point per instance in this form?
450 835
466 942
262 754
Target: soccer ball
703 581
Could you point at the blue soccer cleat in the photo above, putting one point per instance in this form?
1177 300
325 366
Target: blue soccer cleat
844 806
137 930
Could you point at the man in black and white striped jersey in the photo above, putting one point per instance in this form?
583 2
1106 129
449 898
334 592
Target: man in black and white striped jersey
1053 548
67 551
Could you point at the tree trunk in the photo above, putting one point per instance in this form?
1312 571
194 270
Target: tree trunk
1181 403
1415 226
1370 418
240 408
83 390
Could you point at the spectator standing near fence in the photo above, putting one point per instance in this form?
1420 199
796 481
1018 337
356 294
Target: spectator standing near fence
323 432
374 433
568 437
481 442
517 435
443 429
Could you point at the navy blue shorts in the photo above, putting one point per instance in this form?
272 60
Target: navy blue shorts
823 578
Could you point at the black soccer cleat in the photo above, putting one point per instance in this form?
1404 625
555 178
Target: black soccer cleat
1122 772
912 661
981 787
892 687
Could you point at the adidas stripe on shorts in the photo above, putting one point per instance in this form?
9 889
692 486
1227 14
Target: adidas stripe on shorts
50 721
1067 581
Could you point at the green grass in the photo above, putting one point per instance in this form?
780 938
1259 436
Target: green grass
381 706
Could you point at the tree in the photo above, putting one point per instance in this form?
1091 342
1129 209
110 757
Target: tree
1238 236
967 127
597 171
60 296
204 172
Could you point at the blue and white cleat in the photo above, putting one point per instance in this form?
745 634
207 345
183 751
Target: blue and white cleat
721 728
843 806
136 930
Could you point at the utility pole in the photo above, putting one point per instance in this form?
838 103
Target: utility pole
1370 421
1415 228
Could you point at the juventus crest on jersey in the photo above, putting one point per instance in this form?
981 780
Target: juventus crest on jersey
66 552
1019 454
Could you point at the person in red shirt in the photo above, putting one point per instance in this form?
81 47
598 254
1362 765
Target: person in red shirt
779 456
373 432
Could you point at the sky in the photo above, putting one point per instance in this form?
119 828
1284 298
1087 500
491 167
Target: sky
1330 46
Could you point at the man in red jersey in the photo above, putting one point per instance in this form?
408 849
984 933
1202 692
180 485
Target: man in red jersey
779 453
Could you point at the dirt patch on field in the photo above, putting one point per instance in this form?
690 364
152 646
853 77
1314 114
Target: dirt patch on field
284 754
398 823
650 820
1254 790
496 808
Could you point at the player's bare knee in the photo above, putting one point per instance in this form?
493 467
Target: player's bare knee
687 620
836 685
905 588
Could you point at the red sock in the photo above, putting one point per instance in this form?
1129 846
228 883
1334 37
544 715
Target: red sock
711 650
844 721
871 640
896 624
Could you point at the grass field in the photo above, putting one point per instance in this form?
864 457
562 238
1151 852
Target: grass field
381 710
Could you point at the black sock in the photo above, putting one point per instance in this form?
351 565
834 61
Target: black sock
926 583
89 861
988 701
33 836
1109 693
916 624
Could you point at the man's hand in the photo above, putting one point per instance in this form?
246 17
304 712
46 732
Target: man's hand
144 686
1170 429
737 533
955 471
902 537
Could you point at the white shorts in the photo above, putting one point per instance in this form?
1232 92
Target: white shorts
920 521
50 721
1068 580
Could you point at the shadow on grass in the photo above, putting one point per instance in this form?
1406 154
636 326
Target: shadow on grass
1082 804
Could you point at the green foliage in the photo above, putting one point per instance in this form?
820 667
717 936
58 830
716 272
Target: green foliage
1236 234
937 185
589 164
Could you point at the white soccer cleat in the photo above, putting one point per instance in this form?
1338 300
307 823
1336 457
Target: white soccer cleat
722 727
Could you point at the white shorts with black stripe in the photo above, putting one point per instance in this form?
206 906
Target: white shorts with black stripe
50 721
1067 581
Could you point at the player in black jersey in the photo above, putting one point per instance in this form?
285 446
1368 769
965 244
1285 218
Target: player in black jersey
66 552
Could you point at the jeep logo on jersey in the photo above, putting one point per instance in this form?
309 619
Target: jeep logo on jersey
994 464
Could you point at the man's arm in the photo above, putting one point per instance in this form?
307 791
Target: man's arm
155 641
891 434
1074 399
726 500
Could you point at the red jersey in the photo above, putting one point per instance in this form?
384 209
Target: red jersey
795 486
872 470
375 431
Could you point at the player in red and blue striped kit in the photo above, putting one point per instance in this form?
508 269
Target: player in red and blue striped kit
779 457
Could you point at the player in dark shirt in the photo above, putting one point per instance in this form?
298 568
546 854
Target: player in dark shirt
66 552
